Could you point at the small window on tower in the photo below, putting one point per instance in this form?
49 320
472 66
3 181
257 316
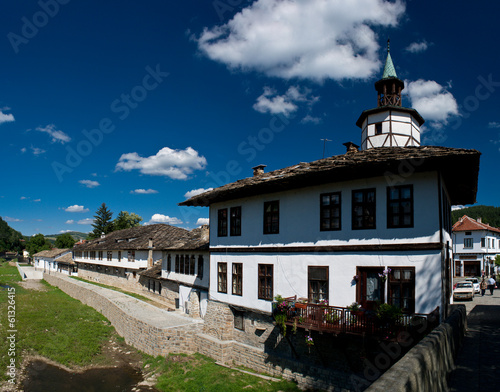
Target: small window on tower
378 128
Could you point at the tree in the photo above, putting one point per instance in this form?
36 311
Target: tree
102 222
37 243
124 220
497 261
10 239
64 241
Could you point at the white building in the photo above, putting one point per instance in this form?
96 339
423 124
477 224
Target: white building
166 261
475 247
329 229
54 260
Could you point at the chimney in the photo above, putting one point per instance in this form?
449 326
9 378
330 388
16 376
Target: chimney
351 147
480 220
103 235
150 253
258 170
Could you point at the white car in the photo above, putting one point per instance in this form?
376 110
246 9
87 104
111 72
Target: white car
475 283
464 290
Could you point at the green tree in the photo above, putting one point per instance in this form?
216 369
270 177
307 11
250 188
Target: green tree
10 239
497 261
64 241
124 220
37 243
103 222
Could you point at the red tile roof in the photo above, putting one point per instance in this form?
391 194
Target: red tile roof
466 223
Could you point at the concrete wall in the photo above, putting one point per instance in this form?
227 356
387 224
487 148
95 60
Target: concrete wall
147 338
427 365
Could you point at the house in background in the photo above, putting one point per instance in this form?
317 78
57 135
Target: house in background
370 226
54 260
132 259
475 247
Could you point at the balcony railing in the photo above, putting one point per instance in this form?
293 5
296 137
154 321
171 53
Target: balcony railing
334 319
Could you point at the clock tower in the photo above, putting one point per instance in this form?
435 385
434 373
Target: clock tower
389 124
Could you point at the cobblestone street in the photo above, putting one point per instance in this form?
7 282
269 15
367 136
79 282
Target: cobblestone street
478 363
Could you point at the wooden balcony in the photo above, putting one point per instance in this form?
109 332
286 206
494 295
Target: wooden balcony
337 320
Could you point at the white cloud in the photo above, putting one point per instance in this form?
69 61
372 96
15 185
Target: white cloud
4 118
432 101
143 191
86 221
457 207
417 47
196 192
313 39
159 218
76 208
64 231
176 164
270 102
202 221
56 135
37 151
9 219
37 200
23 150
493 124
311 120
89 183
70 222
23 198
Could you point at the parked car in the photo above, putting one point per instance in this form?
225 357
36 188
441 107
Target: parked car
464 290
475 283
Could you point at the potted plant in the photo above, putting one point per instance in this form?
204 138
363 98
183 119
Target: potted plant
388 314
280 313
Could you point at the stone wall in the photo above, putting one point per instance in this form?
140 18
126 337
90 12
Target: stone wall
147 338
426 366
123 280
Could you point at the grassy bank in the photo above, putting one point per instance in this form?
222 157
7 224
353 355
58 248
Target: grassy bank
50 323
197 372
135 295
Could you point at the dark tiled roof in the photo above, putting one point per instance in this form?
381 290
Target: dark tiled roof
52 253
66 259
164 237
468 224
459 167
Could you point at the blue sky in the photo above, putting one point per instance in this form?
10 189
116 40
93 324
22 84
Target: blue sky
140 104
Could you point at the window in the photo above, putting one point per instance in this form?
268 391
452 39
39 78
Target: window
222 277
370 287
222 223
86 254
237 279
489 243
131 255
92 255
200 267
468 233
181 264
169 263
177 264
235 221
363 209
272 217
330 211
401 288
467 242
100 254
119 255
318 284
378 128
265 286
239 318
192 263
483 242
110 255
400 206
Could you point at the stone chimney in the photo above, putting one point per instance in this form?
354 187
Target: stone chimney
150 253
480 220
258 170
351 147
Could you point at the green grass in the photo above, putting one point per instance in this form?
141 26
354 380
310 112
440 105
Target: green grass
180 372
52 324
138 296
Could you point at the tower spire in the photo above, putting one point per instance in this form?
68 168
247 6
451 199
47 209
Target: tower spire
389 69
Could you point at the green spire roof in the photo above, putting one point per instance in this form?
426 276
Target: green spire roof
389 70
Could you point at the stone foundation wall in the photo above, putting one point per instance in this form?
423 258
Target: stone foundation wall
121 280
426 366
151 340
